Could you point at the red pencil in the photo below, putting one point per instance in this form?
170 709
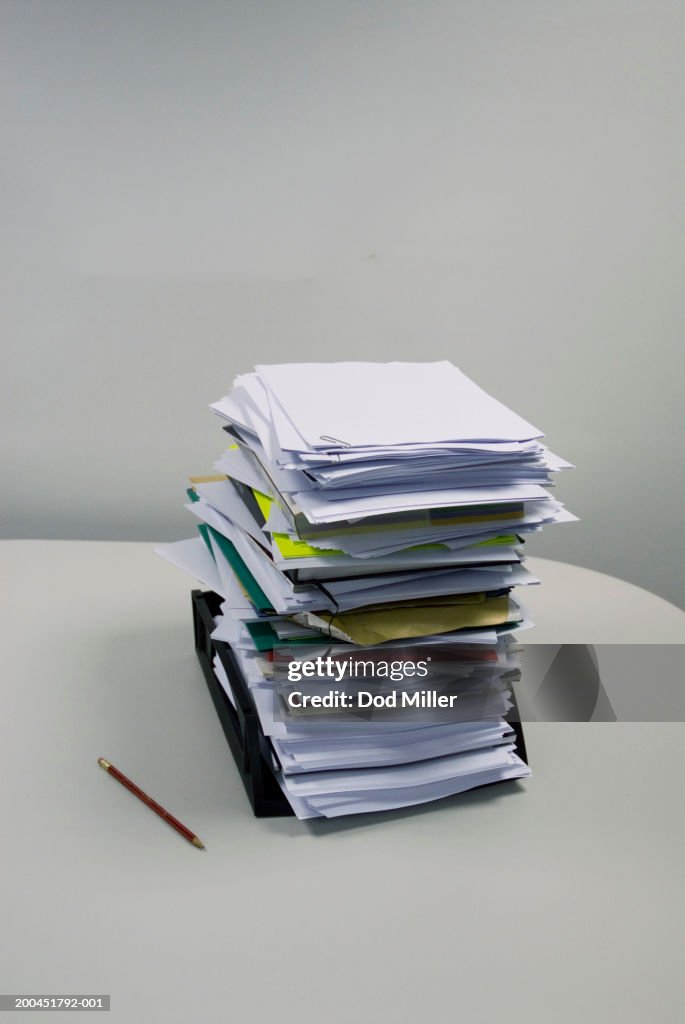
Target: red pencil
152 804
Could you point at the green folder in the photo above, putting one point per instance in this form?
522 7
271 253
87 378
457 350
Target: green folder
265 638
247 581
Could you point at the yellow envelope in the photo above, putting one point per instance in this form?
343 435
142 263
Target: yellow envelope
377 624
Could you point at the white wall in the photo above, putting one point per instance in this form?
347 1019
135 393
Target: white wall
189 188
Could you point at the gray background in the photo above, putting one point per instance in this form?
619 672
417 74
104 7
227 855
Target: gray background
190 188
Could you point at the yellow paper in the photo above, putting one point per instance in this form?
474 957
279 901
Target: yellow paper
289 548
264 501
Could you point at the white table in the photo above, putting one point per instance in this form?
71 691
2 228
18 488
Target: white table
552 901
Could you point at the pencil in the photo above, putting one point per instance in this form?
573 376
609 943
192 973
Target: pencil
152 804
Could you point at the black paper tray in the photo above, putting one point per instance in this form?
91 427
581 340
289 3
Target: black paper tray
251 749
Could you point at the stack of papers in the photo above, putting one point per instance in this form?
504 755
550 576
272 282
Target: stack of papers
372 511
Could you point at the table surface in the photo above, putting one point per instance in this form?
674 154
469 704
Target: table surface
552 900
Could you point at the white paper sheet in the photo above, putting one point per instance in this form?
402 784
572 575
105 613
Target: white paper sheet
386 404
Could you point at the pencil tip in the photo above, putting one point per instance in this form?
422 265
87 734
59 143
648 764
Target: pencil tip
198 842
103 763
